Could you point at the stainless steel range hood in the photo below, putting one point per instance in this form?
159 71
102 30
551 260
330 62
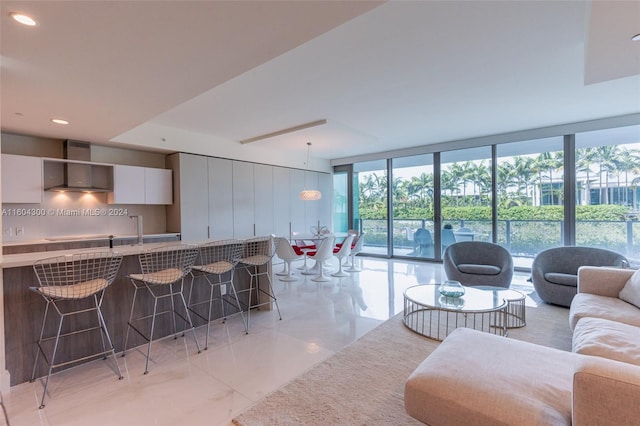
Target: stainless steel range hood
75 172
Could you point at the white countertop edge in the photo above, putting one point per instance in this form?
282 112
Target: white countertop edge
27 259
79 238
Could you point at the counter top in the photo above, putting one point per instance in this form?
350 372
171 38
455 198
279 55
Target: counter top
74 238
27 259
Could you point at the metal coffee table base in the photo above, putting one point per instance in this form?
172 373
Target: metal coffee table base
438 323
515 310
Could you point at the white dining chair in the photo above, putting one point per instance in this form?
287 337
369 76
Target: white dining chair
341 253
288 254
324 253
357 248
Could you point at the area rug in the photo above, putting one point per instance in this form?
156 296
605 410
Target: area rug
364 383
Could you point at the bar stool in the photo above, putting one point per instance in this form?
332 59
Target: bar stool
74 285
258 252
217 259
163 272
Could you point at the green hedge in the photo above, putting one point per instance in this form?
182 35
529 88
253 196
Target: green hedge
598 213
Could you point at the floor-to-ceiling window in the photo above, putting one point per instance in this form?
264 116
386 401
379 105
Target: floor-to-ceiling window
412 199
341 201
523 193
465 180
529 189
370 204
607 189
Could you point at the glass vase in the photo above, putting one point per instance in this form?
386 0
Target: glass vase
451 288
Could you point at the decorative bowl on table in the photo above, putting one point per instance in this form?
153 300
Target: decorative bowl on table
451 302
450 288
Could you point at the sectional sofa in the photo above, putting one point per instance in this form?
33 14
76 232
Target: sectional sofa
483 379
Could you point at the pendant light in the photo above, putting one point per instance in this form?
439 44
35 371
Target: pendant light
309 194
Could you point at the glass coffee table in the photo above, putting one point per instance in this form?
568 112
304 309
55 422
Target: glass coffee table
433 315
515 310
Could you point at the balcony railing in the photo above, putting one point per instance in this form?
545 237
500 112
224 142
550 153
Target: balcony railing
523 238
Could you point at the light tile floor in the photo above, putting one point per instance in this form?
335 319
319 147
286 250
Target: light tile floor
210 388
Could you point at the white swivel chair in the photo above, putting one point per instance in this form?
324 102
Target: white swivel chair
305 247
288 254
324 253
342 253
357 248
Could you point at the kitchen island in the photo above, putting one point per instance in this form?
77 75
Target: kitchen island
24 309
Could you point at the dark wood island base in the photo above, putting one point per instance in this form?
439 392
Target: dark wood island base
24 310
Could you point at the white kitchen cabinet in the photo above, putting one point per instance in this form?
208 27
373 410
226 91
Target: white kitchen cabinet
158 186
263 199
21 179
141 185
189 214
281 202
297 213
243 201
220 199
128 185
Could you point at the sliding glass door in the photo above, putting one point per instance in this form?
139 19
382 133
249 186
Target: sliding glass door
370 205
412 199
607 190
530 193
466 196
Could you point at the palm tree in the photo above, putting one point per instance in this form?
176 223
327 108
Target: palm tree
457 176
481 180
525 174
506 178
421 187
605 157
584 158
448 182
627 162
548 162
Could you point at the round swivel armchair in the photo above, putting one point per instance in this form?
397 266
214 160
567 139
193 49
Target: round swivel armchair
475 263
554 271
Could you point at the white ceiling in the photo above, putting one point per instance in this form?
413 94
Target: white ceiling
199 76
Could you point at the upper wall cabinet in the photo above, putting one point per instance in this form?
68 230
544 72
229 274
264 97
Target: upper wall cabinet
128 185
158 186
21 179
141 185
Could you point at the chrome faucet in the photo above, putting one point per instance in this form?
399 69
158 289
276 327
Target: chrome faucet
138 227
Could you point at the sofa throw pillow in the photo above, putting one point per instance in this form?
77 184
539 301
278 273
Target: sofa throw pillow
631 291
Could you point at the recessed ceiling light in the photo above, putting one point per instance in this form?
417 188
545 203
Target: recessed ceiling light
23 19
636 37
59 121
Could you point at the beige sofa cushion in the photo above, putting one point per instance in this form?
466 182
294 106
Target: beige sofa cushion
586 305
605 392
607 339
476 378
631 290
